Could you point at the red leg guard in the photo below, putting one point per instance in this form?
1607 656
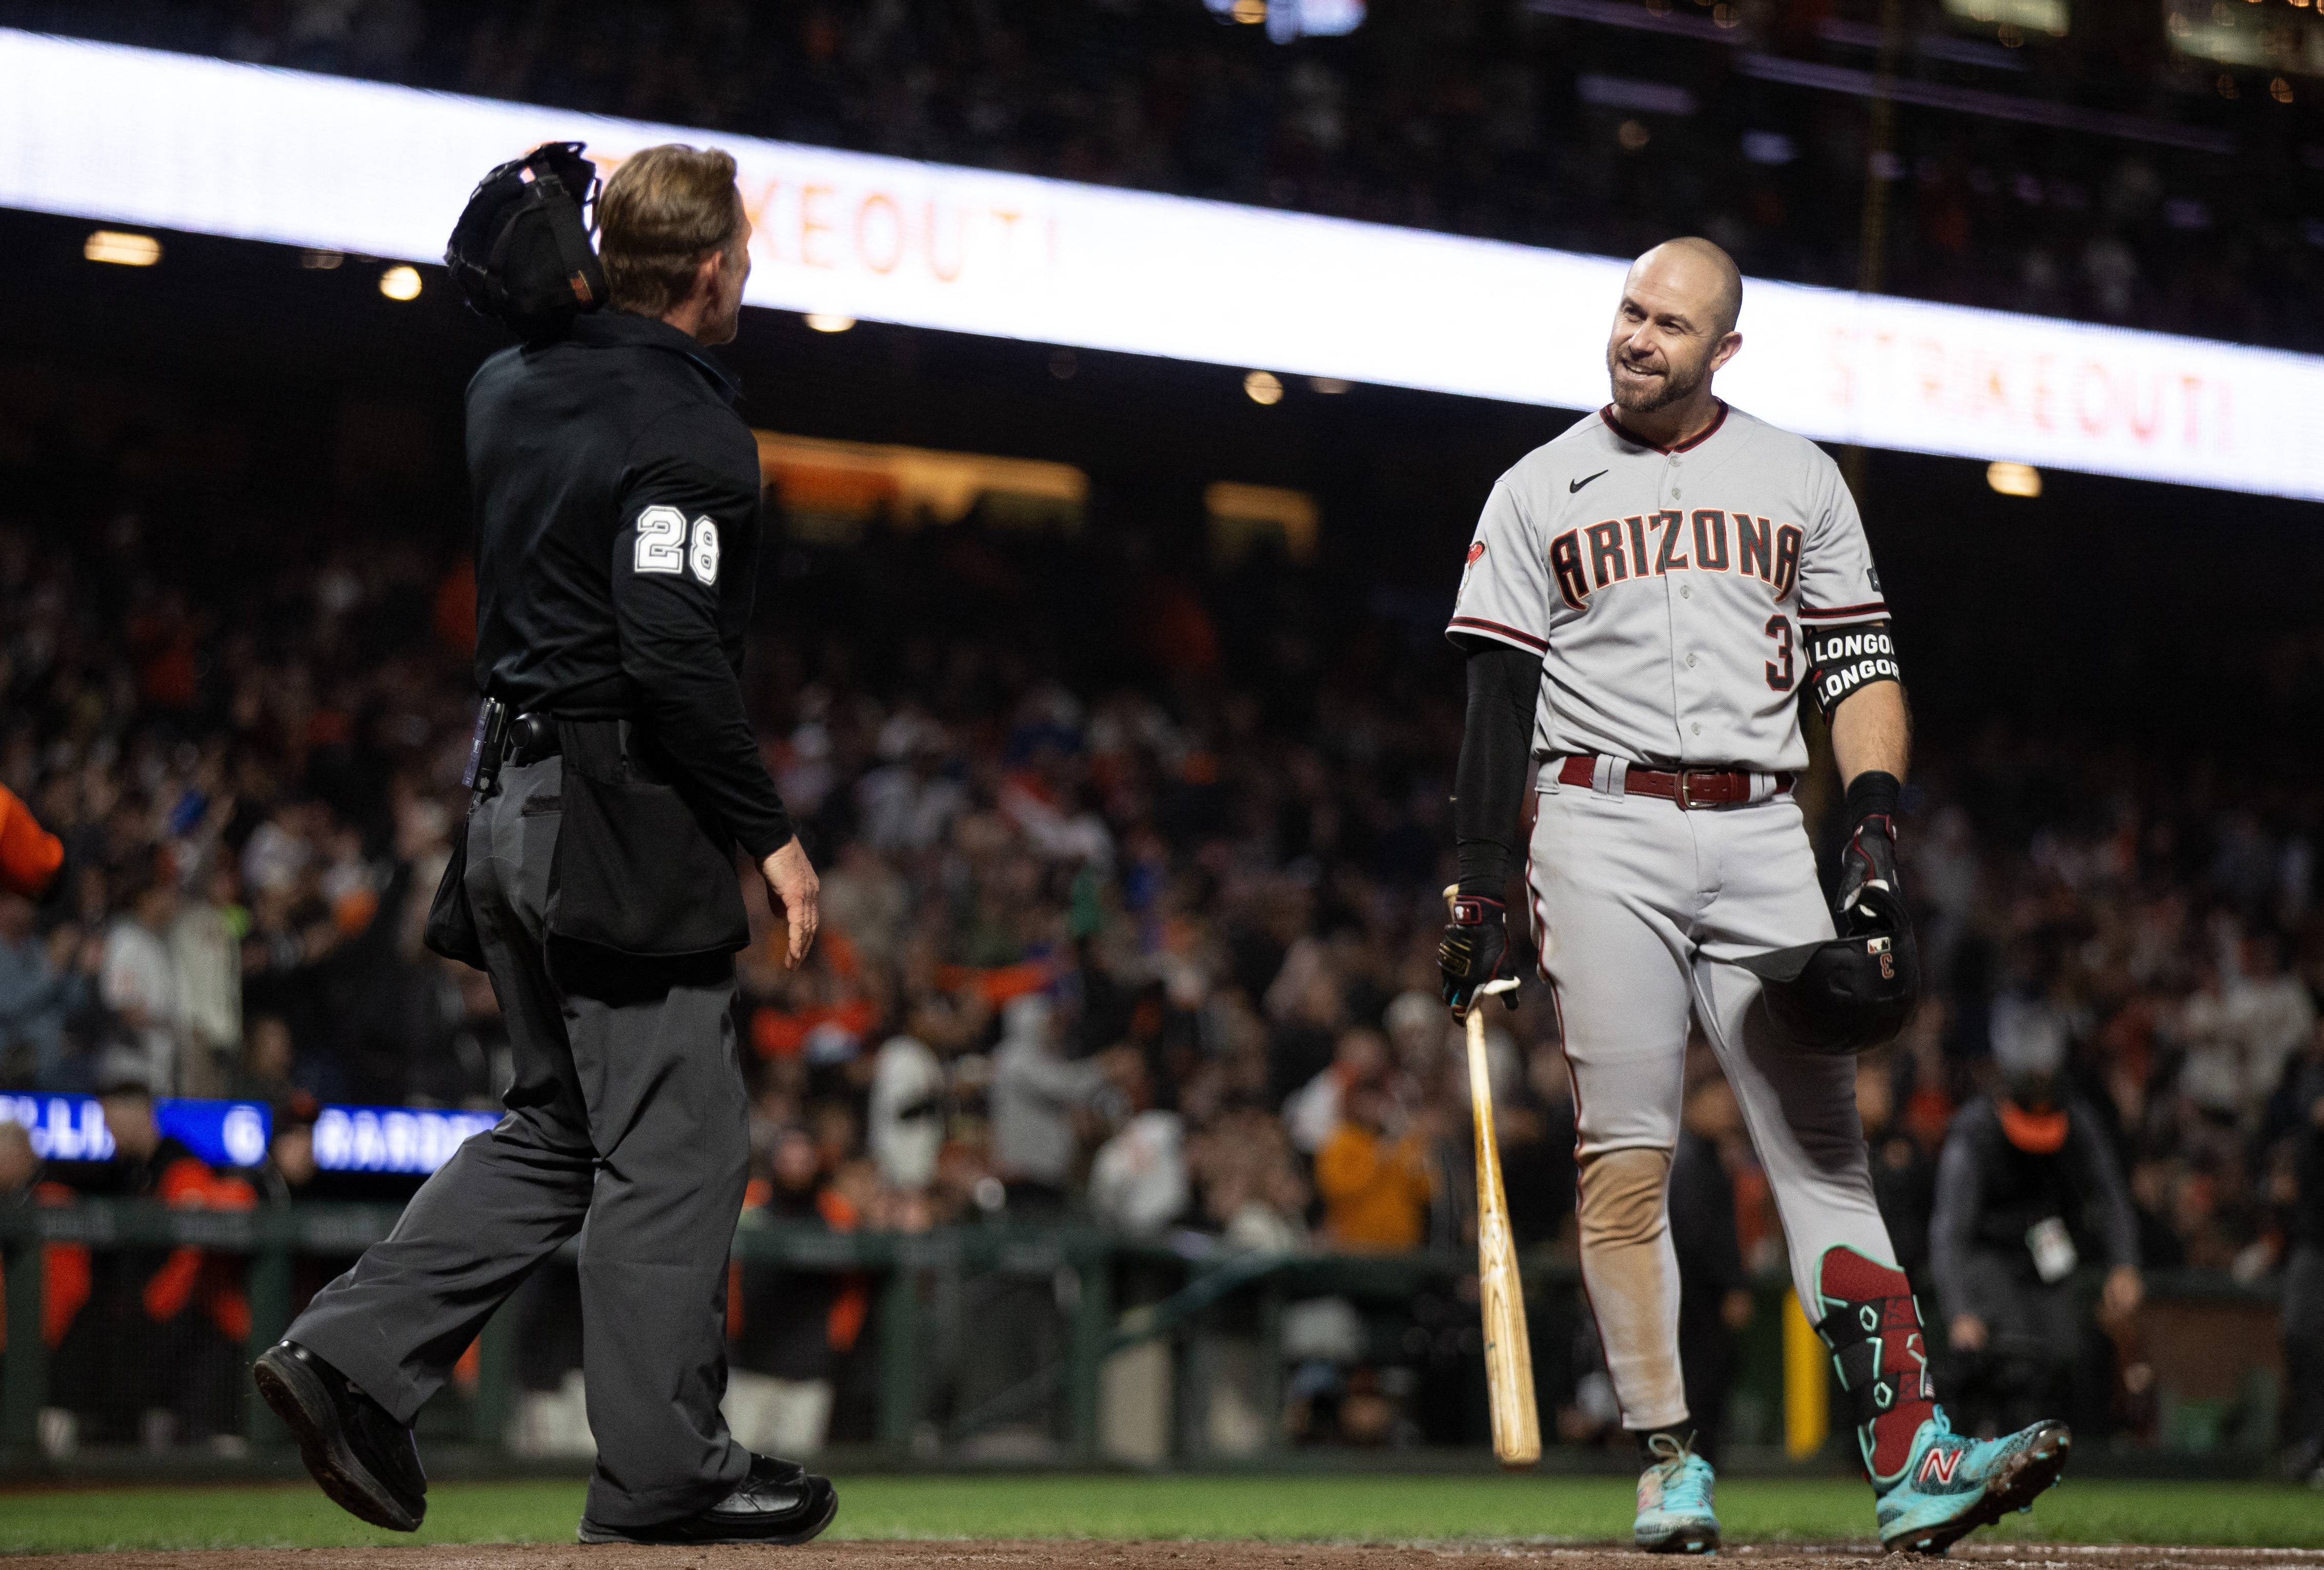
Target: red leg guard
1867 1317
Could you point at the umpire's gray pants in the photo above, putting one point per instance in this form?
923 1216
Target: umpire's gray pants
626 1124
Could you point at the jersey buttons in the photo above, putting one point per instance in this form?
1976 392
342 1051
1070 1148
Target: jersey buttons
1689 662
1685 592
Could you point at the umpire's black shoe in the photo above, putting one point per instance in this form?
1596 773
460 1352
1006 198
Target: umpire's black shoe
365 1460
780 1503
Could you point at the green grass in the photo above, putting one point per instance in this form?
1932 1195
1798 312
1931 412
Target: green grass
1362 1508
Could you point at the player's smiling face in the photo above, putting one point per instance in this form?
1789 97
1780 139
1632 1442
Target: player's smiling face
1669 334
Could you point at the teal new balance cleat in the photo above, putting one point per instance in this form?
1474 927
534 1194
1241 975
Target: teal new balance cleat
1954 1485
1931 1486
1674 1501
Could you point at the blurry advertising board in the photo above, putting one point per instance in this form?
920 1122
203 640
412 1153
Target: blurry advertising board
71 1128
139 137
393 1139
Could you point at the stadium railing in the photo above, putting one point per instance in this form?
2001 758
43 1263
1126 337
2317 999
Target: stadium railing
2207 1405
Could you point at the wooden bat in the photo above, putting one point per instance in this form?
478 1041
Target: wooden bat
1508 1355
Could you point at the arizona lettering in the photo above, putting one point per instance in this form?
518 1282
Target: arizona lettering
1630 550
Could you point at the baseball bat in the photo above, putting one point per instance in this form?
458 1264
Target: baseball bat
1508 1355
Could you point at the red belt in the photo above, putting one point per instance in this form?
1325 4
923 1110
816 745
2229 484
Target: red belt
1689 787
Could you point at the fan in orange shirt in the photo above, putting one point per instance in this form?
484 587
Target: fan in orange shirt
1375 1191
29 854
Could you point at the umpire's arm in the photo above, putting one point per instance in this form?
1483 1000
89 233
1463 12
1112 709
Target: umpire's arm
671 577
1952 1228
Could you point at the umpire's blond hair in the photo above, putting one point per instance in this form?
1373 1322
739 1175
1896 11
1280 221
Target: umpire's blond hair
664 211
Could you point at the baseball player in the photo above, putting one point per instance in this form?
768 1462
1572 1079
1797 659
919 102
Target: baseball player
1645 599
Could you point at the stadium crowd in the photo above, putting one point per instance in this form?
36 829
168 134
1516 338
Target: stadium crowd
1533 123
1131 863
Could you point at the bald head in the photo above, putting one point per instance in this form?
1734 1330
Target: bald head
1673 329
1692 269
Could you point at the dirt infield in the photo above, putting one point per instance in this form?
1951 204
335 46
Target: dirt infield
1179 1555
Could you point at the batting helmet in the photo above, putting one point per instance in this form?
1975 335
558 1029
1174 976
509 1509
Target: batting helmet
1848 993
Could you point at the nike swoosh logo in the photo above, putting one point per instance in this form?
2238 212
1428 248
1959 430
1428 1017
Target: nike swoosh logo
1573 485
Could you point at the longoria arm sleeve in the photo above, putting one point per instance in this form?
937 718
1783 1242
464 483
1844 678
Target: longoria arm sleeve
667 596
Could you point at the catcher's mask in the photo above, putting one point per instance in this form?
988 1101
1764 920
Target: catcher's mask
1848 993
521 251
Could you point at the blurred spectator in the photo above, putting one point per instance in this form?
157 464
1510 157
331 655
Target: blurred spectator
1376 1187
906 1113
1035 1095
19 1168
2027 1182
41 981
155 1354
2245 1020
267 1066
1903 1177
64 1274
1251 1185
1137 1180
140 981
1714 1288
205 943
790 1327
30 855
1359 1061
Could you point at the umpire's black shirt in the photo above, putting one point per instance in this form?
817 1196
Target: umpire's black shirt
617 528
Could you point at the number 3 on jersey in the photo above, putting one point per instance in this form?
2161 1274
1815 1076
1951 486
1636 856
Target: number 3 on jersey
661 545
1779 674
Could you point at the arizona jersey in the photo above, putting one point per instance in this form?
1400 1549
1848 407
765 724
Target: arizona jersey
1667 589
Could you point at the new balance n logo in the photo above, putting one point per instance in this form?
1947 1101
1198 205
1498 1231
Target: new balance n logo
1937 1466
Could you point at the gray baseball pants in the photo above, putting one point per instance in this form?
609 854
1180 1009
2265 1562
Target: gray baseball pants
1636 904
626 1124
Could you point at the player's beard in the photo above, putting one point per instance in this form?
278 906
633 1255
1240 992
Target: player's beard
1679 382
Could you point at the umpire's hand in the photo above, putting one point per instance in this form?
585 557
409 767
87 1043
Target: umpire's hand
791 888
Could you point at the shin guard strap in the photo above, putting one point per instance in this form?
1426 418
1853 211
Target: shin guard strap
1853 1333
1873 1328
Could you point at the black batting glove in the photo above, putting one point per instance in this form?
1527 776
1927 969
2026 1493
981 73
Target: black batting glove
1475 950
1869 889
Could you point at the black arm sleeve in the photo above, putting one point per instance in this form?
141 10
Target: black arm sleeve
675 599
1496 747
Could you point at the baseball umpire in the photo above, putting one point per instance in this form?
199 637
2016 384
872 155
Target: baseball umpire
617 515
1645 599
2025 1172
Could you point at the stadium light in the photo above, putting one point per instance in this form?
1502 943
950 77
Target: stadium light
121 250
2014 479
829 321
1263 387
399 284
321 260
1327 384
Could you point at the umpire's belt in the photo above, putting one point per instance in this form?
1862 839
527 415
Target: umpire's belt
1689 787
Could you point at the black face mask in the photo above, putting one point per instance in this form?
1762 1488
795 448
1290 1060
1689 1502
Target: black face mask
521 251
